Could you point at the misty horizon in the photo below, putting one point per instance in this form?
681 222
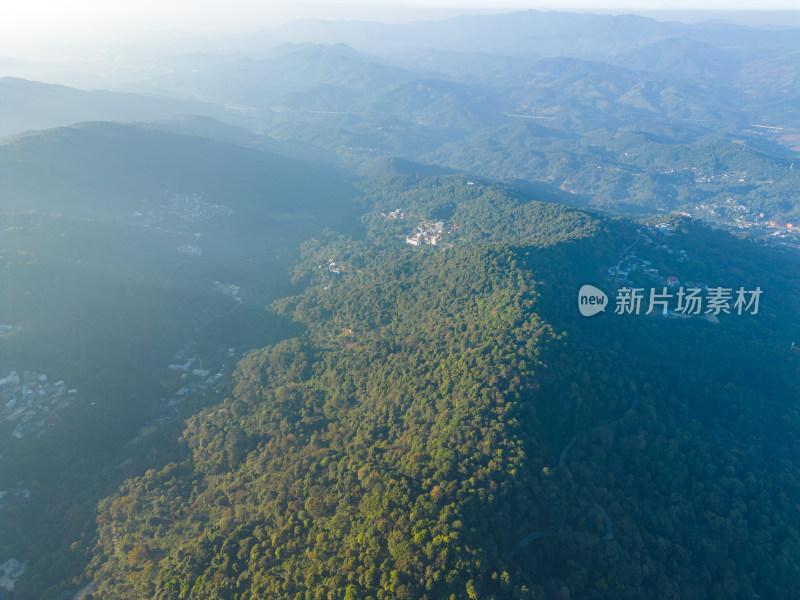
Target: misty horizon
39 37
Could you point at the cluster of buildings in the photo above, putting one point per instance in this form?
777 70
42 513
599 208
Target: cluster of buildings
192 250
169 407
204 383
177 215
186 366
701 176
178 212
733 215
671 297
185 369
665 229
201 382
428 233
333 266
398 213
787 235
10 571
30 402
631 264
228 289
20 495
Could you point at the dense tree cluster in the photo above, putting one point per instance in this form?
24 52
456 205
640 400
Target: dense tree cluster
408 443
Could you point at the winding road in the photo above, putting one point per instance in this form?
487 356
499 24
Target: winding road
563 456
532 536
561 463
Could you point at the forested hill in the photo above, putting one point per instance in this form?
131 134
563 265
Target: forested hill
102 170
448 426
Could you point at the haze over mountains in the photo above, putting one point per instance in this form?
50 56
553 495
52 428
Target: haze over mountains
314 291
33 105
428 91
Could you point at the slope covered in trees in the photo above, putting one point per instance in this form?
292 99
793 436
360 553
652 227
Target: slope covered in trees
448 426
121 247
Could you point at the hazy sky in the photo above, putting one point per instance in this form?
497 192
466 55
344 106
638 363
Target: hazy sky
34 20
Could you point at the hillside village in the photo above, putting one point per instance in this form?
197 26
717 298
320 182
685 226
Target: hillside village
228 289
195 382
10 571
429 233
426 232
177 215
192 368
733 215
631 266
31 402
333 267
655 237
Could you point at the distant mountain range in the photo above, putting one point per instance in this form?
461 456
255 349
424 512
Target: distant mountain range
103 170
532 34
543 97
26 105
